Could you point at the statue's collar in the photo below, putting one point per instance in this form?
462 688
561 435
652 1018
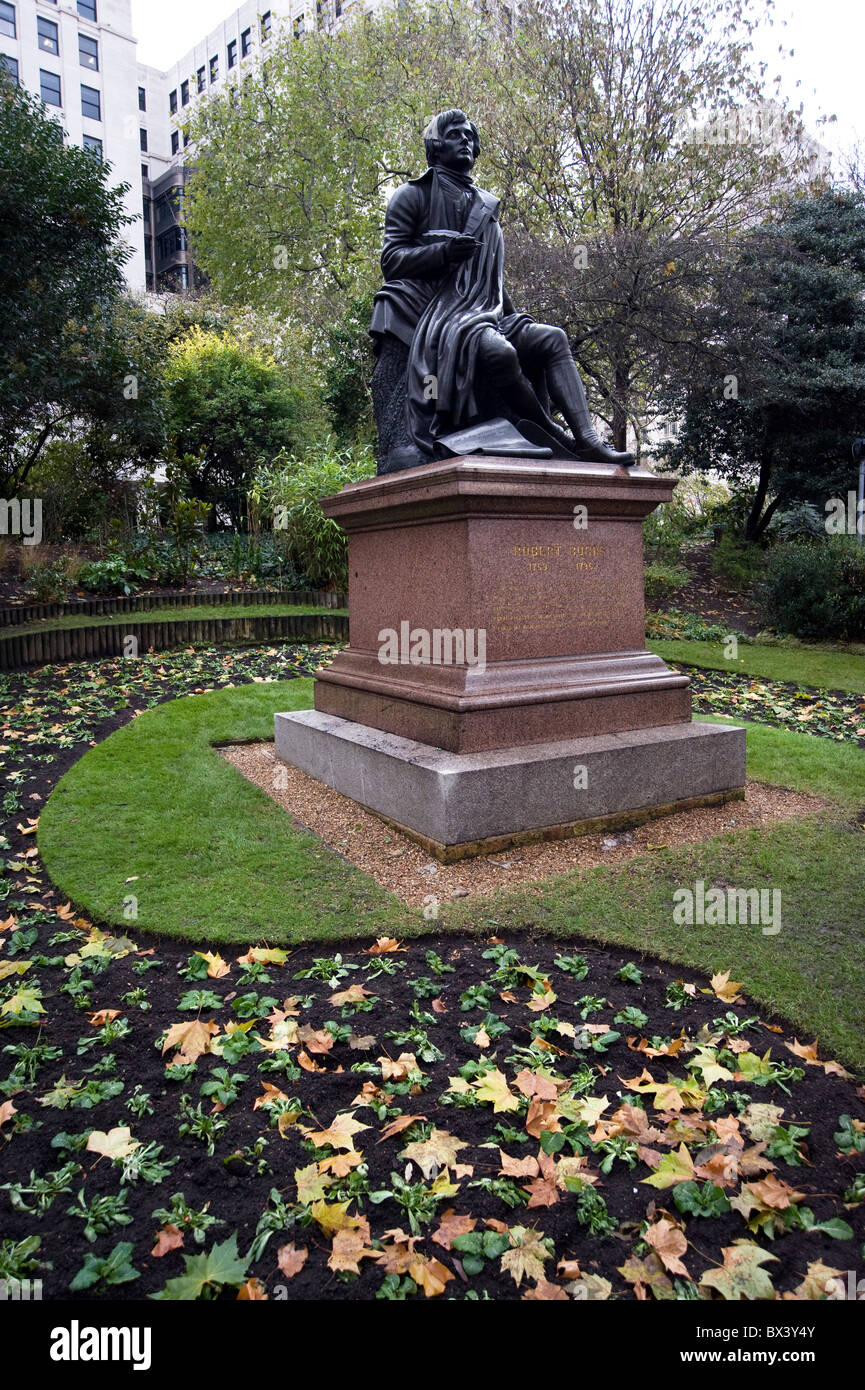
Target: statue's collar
489 203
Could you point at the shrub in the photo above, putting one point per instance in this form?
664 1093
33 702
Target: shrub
816 589
114 575
662 581
291 489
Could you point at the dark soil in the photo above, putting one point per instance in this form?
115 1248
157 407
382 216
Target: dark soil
707 597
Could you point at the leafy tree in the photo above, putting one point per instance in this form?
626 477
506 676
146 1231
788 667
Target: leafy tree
229 408
779 392
60 279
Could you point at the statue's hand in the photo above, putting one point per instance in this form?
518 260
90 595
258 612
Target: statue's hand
460 248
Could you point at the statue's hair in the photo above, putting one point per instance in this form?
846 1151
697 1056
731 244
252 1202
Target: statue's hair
438 125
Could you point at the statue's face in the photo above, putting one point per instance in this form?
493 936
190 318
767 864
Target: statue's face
457 147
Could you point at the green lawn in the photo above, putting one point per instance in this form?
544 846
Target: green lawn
820 667
171 615
154 812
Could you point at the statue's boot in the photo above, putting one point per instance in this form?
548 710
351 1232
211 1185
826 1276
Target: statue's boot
567 393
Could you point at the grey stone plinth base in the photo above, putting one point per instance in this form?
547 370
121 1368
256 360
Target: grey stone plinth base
459 804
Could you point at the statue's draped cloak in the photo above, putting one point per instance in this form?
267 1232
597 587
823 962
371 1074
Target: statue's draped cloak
441 310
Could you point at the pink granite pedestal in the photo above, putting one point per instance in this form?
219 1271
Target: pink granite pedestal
496 604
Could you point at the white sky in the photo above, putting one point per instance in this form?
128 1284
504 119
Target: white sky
825 73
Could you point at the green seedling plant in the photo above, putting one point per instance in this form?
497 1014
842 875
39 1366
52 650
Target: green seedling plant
418 1201
186 1218
630 974
222 1085
194 1000
42 1189
19 1258
206 1128
145 1165
574 965
109 1270
331 969
104 1211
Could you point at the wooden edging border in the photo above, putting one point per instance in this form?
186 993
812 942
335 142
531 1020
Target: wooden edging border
133 639
140 603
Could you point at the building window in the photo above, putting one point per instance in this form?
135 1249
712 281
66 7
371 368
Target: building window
184 93
175 142
142 99
91 105
185 136
214 68
266 25
87 9
246 43
232 54
298 26
49 88
88 53
10 65
142 138
337 9
94 144
47 32
202 79
172 101
145 171
7 20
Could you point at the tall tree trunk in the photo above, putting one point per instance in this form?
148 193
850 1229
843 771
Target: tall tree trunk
756 525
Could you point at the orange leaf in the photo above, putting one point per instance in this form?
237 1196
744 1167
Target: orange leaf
384 945
452 1226
253 1291
168 1239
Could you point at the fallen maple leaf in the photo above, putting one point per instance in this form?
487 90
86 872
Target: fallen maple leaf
438 1151
518 1167
216 966
669 1243
806 1052
193 1039
383 945
339 1135
725 988
7 1110
348 1248
291 1258
101 1016
740 1276
673 1168
253 1291
545 1292
528 1254
398 1125
167 1239
452 1226
493 1086
397 1070
647 1274
117 1143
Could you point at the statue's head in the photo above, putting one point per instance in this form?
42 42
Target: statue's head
452 140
